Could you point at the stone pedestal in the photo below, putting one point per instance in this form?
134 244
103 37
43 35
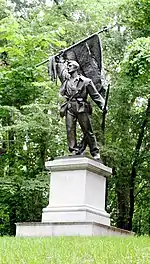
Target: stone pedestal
76 203
77 191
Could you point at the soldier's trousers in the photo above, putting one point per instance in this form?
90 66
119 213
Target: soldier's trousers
84 121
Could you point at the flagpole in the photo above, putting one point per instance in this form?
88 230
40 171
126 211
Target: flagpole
77 43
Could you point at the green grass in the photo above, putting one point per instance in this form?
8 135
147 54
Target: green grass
75 250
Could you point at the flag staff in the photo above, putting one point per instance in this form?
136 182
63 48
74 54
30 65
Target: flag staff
100 31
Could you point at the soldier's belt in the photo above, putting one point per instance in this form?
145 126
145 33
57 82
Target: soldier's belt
76 100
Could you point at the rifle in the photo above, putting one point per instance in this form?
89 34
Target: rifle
100 31
105 109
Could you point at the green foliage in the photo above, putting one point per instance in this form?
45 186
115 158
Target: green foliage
135 14
31 130
128 103
22 199
137 60
4 11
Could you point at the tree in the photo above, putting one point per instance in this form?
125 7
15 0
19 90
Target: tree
30 128
28 112
129 121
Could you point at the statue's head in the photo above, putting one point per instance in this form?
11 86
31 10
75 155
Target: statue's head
72 66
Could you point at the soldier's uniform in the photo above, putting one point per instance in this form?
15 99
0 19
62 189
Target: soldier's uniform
76 108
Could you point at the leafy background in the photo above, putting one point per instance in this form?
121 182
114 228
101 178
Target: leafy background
31 130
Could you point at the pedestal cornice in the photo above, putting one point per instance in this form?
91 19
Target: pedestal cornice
78 163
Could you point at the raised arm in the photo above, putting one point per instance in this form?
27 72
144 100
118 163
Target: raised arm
61 68
62 71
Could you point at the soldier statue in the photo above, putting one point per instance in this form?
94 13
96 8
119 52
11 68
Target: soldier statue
75 89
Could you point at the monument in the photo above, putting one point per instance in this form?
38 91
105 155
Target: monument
77 183
79 70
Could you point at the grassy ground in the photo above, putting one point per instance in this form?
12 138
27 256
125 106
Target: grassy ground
75 250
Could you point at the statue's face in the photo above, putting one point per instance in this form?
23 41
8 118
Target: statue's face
72 67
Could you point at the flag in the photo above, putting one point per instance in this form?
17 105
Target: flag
88 53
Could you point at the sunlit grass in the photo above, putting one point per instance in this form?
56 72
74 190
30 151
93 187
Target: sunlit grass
75 250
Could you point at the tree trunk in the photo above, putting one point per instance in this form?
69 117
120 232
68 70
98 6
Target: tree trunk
123 206
43 148
135 163
12 219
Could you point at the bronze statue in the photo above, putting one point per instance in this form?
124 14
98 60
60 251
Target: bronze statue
75 89
80 75
79 69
